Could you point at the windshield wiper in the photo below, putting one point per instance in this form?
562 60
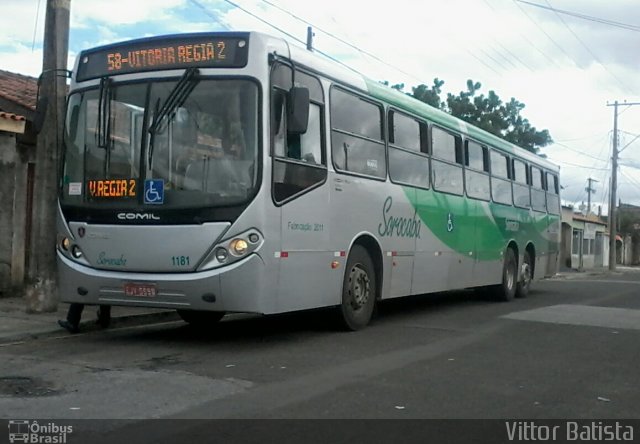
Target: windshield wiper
174 100
103 130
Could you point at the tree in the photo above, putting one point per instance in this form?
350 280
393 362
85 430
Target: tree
487 112
430 96
492 115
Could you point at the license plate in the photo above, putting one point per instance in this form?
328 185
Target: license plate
142 290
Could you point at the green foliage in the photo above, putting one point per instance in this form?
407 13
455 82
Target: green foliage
430 96
487 112
629 221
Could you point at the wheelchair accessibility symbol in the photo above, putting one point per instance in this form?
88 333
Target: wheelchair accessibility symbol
154 191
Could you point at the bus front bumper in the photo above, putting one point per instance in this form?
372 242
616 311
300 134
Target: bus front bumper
235 288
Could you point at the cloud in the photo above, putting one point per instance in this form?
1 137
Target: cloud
122 12
24 14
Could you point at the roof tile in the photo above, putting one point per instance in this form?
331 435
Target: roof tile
19 89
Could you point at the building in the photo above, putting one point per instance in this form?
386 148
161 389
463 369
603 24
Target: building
628 246
585 241
18 96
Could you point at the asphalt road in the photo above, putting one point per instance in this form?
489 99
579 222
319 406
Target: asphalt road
569 350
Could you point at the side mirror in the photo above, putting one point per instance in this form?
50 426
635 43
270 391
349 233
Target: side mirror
298 110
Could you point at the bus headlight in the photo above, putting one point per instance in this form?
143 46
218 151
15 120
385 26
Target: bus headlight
65 244
239 246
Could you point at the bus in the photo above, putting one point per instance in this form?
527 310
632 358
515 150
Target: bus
214 173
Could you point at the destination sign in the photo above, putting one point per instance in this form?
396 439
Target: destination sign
112 188
199 50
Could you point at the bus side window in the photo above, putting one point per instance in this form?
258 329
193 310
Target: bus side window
446 163
500 174
538 201
357 136
477 171
407 163
521 195
553 194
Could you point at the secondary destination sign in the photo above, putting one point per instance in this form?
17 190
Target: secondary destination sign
201 50
114 188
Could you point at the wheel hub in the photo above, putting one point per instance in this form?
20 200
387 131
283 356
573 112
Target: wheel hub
359 286
526 273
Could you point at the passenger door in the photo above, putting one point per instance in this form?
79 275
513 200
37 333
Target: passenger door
299 191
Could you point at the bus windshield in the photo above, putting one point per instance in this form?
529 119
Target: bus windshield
192 147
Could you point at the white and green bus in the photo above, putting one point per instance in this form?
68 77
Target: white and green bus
214 173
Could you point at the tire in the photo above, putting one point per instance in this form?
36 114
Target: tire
359 290
524 284
201 318
506 291
103 316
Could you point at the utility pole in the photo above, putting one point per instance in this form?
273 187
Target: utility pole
613 232
589 190
614 186
41 294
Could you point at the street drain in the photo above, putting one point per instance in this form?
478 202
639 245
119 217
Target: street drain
25 387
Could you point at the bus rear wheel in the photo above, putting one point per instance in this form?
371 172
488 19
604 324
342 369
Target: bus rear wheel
507 289
522 290
359 290
201 318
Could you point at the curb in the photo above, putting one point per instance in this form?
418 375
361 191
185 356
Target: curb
92 326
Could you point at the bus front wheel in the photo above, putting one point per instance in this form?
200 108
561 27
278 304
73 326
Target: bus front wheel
359 290
507 289
201 318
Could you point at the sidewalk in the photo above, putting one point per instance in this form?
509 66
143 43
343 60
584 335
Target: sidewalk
16 324
591 272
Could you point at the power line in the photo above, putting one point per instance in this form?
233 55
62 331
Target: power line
524 37
544 32
288 35
35 26
581 166
584 17
580 138
514 56
208 13
373 56
595 57
260 19
579 152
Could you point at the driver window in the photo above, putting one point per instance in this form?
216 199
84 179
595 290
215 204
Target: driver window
299 163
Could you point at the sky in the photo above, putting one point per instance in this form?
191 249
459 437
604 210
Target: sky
565 69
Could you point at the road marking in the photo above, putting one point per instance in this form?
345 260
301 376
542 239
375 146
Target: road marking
584 315
604 281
